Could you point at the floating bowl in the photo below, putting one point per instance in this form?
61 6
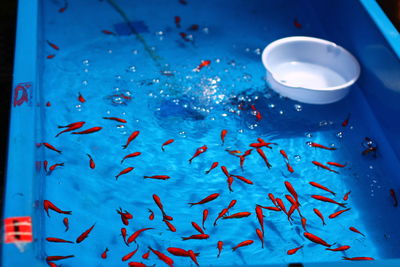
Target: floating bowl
310 70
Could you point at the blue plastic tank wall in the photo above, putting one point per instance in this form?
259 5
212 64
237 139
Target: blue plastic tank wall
346 22
363 28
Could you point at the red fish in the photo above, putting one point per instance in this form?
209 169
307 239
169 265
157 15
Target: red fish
316 239
342 248
123 233
136 234
304 223
125 216
283 153
319 214
334 215
318 164
158 177
184 36
369 150
151 216
393 194
220 215
52 264
72 127
258 115
130 254
108 32
48 205
322 187
260 235
124 171
213 166
66 223
220 245
192 256
326 199
85 234
104 254
312 144
197 227
170 141
230 181
193 27
270 208
355 230
346 196
289 167
132 155
177 20
247 181
260 217
170 226
205 200
57 258
291 190
346 121
199 151
163 257
53 45
199 236
91 162
358 259
272 198
115 119
131 138
233 152
203 64
45 164
136 264
179 252
282 207
89 131
54 166
146 255
225 171
52 147
261 153
336 164
57 240
205 215
157 200
294 250
223 134
62 9
297 24
242 244
238 215
50 56
81 98
48 104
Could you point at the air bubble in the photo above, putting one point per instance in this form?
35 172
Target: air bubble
85 62
371 168
308 135
257 51
135 52
85 70
206 30
132 69
298 107
281 112
339 134
118 77
109 51
224 115
247 77
247 49
84 82
297 157
271 105
323 123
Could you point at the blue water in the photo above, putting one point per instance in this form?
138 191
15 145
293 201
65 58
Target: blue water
192 108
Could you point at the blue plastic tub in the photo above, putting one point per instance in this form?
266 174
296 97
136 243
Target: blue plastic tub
147 62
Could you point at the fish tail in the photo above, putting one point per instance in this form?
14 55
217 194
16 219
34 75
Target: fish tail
67 212
162 148
233 249
207 172
192 204
343 205
124 146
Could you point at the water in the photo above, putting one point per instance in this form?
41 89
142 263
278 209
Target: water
151 84
308 75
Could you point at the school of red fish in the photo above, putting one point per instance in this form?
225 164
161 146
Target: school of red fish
277 206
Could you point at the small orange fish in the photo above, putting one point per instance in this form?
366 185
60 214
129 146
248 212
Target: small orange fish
146 255
261 153
51 147
358 259
205 215
205 200
289 167
53 167
260 235
336 164
242 244
326 199
131 138
283 153
151 216
197 227
316 239
291 190
71 127
220 245
81 98
193 27
199 151
270 208
294 250
177 20
57 258
171 227
50 56
342 248
66 223
198 237
124 171
304 223
163 257
355 230
223 134
369 150
108 32
247 181
92 165
260 217
57 240
85 234
170 141
89 131
393 195
192 256
133 237
230 181
334 215
213 166
297 24
123 234
134 154
115 119
158 177
53 45
319 214
322 187
157 200
346 196
130 254
346 121
104 254
238 215
203 64
312 144
318 164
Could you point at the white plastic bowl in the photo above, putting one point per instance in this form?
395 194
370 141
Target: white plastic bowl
310 70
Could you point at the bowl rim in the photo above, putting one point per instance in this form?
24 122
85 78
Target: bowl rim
290 39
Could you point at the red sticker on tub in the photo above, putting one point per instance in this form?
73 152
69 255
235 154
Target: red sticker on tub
22 93
18 229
